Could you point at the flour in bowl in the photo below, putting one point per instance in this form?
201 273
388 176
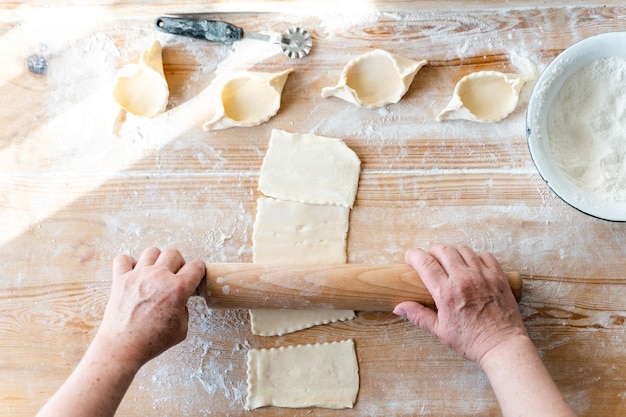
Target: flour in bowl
587 128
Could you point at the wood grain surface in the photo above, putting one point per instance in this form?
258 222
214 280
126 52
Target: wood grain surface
72 196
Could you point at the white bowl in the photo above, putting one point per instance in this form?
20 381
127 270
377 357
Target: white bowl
570 61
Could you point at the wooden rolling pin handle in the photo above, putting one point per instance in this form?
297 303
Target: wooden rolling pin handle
317 287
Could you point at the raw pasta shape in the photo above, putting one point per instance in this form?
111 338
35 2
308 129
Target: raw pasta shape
310 169
248 99
141 89
293 232
484 96
271 322
318 375
375 79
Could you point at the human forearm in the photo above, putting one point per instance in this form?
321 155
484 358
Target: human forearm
478 317
521 382
146 315
95 388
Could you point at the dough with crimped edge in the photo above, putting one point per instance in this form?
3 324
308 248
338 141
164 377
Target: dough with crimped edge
315 375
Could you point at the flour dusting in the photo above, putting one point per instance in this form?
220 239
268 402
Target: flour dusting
587 128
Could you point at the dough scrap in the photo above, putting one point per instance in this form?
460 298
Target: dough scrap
484 96
269 322
248 99
141 89
375 79
310 169
291 232
318 375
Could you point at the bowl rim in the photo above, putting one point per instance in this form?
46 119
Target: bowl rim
548 85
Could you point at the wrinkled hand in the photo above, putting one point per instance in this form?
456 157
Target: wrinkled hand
147 311
476 309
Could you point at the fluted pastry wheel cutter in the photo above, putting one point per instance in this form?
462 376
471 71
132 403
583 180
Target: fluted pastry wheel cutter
295 42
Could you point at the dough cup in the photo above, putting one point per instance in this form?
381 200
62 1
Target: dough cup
248 99
375 79
141 89
484 96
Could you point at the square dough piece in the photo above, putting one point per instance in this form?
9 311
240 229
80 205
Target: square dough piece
296 233
329 377
310 169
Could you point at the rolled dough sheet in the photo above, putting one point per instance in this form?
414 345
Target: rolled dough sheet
309 169
290 232
319 375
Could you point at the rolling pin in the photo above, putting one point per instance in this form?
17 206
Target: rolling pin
358 287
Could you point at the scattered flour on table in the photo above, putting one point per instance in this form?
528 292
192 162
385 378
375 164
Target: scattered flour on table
587 128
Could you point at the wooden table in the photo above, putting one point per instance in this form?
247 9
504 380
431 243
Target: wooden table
72 196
